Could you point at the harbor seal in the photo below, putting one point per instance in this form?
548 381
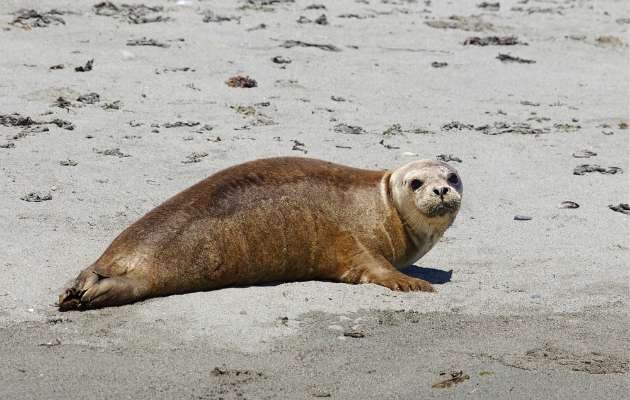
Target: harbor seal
278 220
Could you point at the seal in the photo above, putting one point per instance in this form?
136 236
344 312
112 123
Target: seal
278 220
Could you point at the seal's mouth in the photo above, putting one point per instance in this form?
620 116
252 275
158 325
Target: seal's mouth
442 208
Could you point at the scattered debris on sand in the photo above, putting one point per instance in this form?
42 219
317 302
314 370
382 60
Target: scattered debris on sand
298 43
89 98
608 40
53 343
68 163
539 10
244 110
33 129
394 130
388 146
30 125
16 119
456 125
337 98
194 158
507 58
263 5
240 81
175 69
529 103
281 60
257 27
111 152
568 204
490 6
355 16
114 105
321 20
57 66
85 68
492 41
224 371
623 208
180 124
420 131
298 146
349 129
548 356
210 16
28 19
36 197
257 117
60 123
584 154
472 23
354 334
565 127
62 102
315 7
588 168
146 42
455 378
499 128
132 13
448 157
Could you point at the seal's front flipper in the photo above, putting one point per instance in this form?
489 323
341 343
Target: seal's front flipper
366 268
396 280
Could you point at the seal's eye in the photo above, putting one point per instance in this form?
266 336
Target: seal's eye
453 179
415 184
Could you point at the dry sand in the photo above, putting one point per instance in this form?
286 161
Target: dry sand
533 309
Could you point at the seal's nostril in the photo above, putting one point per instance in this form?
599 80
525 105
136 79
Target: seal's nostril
441 191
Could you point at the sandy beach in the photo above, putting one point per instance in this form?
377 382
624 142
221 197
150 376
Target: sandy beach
108 109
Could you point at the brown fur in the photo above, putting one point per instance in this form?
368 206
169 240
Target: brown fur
278 219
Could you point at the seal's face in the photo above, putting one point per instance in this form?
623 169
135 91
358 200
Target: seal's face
436 188
427 193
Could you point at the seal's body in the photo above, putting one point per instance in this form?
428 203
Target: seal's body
278 219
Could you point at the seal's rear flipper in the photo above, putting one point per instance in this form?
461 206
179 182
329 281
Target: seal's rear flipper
93 290
70 299
114 291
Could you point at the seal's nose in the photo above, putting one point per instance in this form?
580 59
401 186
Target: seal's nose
440 191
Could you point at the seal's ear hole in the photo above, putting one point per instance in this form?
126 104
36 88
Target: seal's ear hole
453 179
415 184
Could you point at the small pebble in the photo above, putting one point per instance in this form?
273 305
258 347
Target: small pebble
584 154
569 204
519 217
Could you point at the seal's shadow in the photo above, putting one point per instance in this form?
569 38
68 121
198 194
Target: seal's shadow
431 275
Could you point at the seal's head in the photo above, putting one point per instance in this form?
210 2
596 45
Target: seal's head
427 194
